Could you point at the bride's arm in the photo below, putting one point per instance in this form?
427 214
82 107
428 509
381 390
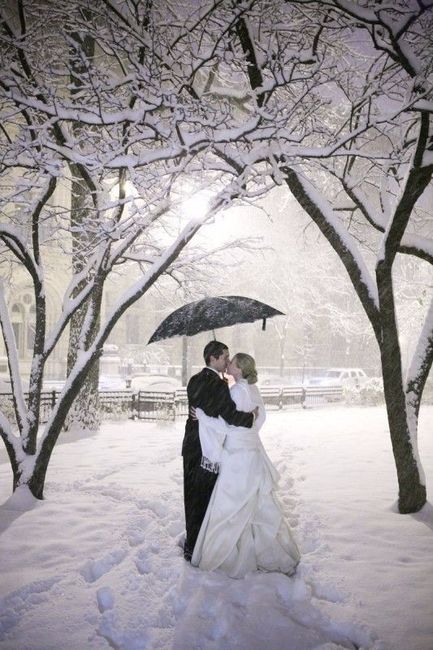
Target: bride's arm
247 400
240 398
258 400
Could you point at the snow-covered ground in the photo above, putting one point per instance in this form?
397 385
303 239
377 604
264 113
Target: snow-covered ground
96 565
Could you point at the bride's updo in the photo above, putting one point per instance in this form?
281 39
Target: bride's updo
247 365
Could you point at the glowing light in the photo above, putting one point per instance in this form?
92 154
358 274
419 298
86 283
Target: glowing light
128 187
196 205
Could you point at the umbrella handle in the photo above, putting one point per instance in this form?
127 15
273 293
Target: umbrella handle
264 324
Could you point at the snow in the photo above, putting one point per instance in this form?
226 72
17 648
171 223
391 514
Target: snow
12 353
96 565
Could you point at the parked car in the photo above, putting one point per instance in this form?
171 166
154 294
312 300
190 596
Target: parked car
157 383
339 377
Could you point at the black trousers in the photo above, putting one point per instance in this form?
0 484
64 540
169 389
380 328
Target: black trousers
198 485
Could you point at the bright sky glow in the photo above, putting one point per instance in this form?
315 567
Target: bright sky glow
196 205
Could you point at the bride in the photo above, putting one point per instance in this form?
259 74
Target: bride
243 529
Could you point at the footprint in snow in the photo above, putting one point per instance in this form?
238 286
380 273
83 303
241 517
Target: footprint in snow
94 569
105 599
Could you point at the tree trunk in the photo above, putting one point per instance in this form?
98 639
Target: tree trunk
36 483
84 413
15 474
412 493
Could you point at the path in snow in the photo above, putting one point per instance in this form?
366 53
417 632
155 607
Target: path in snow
97 565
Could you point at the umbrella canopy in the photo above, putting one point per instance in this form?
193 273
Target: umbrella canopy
212 313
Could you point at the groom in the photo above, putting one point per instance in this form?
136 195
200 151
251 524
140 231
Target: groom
210 392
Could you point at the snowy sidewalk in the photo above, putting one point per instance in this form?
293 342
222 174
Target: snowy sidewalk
96 566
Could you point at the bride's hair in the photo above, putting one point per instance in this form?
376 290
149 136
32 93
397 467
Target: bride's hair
247 365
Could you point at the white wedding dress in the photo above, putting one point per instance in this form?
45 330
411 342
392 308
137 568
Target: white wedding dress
244 529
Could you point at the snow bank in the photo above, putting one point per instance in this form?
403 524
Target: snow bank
97 565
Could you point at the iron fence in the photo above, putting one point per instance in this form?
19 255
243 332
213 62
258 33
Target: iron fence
48 400
146 405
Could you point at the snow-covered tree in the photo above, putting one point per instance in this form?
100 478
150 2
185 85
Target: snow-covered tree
345 92
127 125
84 410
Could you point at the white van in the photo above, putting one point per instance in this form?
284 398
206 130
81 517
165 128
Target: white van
340 377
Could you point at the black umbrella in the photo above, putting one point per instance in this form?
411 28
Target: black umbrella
212 313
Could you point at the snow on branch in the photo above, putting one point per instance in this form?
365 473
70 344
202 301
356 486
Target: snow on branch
13 240
12 354
416 180
411 244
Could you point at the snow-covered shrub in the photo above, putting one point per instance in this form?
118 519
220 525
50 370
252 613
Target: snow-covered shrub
370 393
7 409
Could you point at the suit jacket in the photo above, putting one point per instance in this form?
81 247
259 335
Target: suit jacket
209 392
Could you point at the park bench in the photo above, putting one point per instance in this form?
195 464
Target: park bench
272 396
292 395
322 394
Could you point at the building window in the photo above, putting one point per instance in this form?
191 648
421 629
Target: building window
23 317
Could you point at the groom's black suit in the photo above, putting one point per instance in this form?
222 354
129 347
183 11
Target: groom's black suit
209 392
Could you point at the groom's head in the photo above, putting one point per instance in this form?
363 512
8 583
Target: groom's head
216 355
